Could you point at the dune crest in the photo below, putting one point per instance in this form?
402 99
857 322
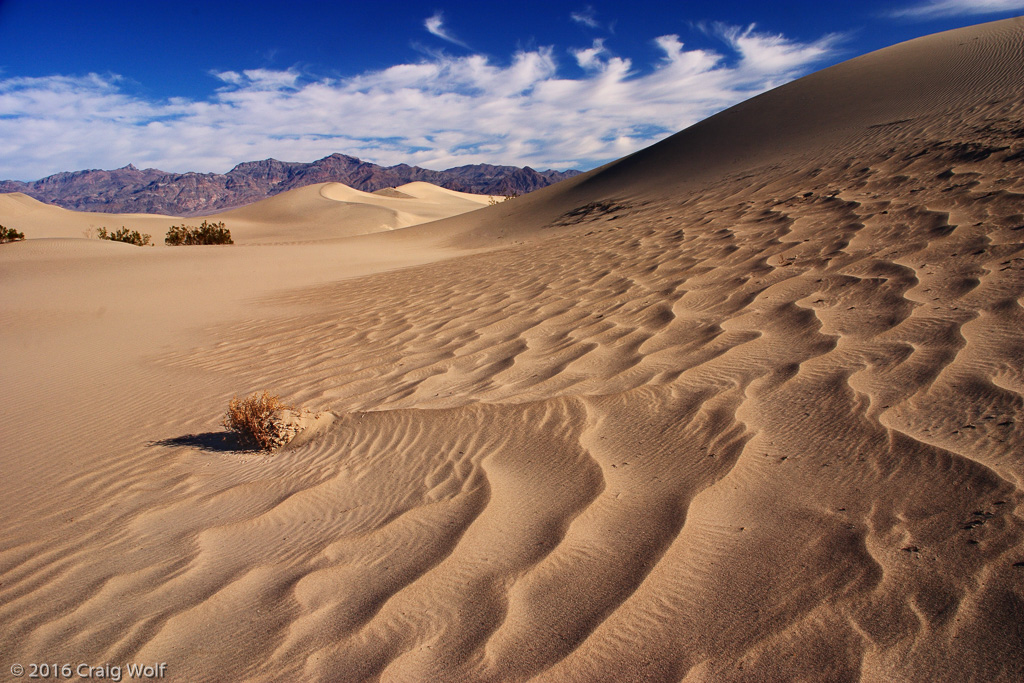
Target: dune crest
746 405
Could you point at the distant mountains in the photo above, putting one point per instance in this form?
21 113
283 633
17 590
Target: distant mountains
130 190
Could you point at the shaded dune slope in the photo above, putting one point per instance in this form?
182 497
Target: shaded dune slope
745 406
909 94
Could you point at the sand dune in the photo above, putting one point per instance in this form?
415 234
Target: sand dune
316 212
331 210
38 220
744 406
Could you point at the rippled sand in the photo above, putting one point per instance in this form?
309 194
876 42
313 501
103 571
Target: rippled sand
745 406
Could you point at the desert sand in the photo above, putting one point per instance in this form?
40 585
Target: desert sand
747 405
317 212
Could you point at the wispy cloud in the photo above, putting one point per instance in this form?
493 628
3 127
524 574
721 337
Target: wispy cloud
587 17
435 25
443 111
949 8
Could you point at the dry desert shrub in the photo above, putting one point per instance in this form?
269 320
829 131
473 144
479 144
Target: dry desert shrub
253 418
10 235
494 200
124 235
206 233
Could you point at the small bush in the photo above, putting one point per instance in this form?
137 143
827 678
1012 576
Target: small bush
206 233
124 235
10 235
253 419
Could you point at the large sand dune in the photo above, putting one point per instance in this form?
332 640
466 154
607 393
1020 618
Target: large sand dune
745 406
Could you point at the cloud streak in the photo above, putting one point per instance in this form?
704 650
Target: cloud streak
950 8
435 25
587 17
441 112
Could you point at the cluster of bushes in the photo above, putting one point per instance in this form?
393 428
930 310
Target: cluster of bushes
124 235
10 235
206 233
178 235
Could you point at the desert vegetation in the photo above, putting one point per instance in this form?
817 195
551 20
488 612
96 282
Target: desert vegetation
10 235
253 419
494 200
206 233
124 235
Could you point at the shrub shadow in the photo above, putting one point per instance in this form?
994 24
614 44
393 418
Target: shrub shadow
216 442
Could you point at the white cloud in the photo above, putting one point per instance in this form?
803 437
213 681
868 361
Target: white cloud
590 57
444 111
587 17
435 25
768 53
948 8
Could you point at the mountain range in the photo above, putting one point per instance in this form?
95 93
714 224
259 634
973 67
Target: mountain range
131 190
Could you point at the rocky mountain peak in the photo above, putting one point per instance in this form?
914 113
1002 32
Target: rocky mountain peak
129 190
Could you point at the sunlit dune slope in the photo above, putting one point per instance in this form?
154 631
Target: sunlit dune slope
35 219
316 212
744 406
330 210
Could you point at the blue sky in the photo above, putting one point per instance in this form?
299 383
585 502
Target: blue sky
202 86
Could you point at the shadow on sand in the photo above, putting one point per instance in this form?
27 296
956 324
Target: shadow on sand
217 442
